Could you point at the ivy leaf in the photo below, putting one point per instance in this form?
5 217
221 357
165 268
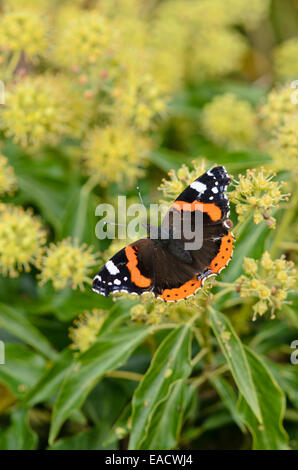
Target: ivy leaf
270 435
166 423
23 368
236 358
287 378
170 363
228 397
50 381
15 322
19 435
108 353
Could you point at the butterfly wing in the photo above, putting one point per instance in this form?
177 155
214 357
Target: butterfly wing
207 195
127 271
164 266
144 266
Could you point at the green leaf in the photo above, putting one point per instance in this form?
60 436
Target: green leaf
287 378
165 426
86 440
48 197
270 435
228 397
120 428
49 383
167 160
236 358
22 369
271 336
15 322
215 421
108 353
291 314
170 363
19 435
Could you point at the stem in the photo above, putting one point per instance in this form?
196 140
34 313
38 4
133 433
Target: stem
199 337
124 374
291 415
223 284
223 292
292 246
239 227
12 65
194 318
164 326
283 226
199 356
84 196
205 330
198 381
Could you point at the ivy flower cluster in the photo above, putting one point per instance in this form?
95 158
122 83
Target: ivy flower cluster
256 193
41 110
84 39
250 15
139 100
151 311
210 45
7 177
67 263
285 59
116 153
267 280
22 237
230 122
278 117
22 30
86 328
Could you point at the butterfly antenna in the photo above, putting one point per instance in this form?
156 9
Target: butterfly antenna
140 196
113 223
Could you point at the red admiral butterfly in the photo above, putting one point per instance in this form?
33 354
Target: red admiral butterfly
165 267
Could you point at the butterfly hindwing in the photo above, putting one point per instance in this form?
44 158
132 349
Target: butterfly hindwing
122 273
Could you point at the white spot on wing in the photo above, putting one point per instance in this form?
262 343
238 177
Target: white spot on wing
112 268
117 282
200 187
214 190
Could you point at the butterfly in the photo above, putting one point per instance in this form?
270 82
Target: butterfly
163 265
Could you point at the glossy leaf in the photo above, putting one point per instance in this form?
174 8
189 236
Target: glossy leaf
170 363
165 426
15 322
22 369
236 358
270 435
19 435
108 353
228 397
51 380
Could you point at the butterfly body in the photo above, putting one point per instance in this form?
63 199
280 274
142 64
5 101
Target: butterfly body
162 263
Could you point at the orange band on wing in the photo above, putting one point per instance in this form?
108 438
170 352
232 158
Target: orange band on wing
182 292
136 277
224 254
211 209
